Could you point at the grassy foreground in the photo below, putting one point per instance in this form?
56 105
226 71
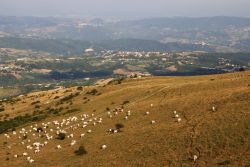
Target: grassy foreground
216 138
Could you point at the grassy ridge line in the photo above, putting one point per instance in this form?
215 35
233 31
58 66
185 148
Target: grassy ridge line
127 105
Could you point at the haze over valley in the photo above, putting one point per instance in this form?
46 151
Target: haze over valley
124 83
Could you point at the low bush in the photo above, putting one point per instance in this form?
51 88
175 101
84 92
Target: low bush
81 151
119 126
61 136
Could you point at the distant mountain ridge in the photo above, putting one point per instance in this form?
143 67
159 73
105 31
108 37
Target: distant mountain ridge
222 34
68 46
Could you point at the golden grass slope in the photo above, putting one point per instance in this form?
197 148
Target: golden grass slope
217 138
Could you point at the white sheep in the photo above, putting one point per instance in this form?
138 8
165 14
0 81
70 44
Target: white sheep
31 161
104 147
29 147
175 112
58 147
195 157
213 109
176 116
147 113
89 131
25 154
151 105
82 135
15 156
73 142
37 151
84 126
179 120
7 136
153 122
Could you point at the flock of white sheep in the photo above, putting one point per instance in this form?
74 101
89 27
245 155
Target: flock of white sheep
36 137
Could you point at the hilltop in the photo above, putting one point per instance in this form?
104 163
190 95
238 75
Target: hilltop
212 127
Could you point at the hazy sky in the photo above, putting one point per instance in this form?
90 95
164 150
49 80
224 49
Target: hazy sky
125 8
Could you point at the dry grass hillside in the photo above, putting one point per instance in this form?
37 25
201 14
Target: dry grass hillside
211 126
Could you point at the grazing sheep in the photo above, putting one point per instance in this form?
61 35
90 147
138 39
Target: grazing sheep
213 109
175 112
147 113
82 135
73 142
195 157
25 154
104 147
28 158
126 117
58 147
176 116
15 156
89 131
7 136
84 126
37 151
29 147
153 122
179 120
151 105
31 161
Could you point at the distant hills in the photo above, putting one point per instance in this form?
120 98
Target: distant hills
69 46
215 34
